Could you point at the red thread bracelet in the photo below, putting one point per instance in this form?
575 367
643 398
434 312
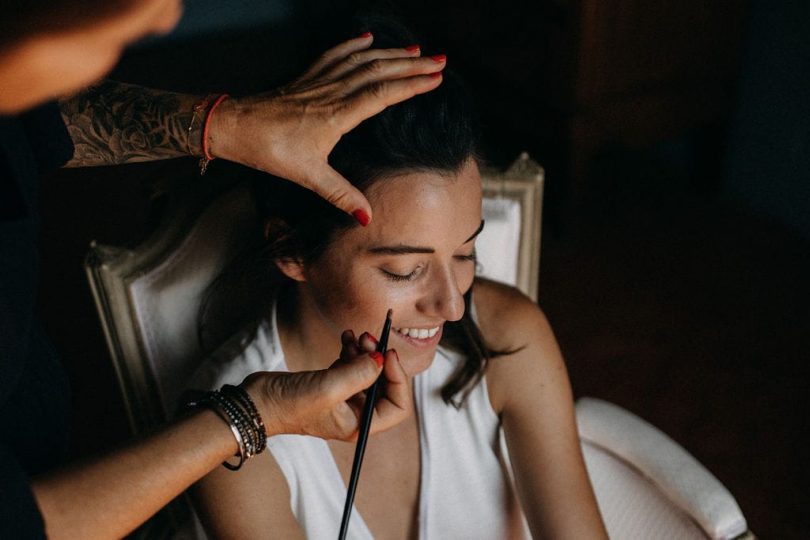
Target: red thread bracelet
207 125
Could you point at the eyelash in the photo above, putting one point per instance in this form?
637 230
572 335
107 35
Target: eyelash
399 277
407 277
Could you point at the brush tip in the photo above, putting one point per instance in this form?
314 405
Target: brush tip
390 312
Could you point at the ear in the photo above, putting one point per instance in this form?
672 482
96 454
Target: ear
277 230
292 268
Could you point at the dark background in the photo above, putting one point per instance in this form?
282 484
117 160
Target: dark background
676 240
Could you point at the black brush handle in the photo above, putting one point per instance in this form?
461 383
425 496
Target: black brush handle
362 438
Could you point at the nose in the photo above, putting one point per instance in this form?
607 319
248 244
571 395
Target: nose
443 299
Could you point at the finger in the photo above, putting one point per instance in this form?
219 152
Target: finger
346 424
396 405
348 346
376 97
349 352
368 342
357 402
336 54
347 337
333 187
380 70
342 381
361 58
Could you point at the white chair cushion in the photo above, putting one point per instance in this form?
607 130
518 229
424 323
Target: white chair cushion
619 446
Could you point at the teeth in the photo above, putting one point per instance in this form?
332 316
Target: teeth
418 333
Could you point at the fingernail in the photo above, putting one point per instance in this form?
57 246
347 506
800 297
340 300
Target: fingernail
437 75
439 58
412 48
372 338
361 216
377 357
365 35
395 353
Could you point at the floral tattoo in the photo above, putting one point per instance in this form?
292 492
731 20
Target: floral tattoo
112 123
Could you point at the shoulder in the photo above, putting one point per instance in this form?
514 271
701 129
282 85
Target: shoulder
508 319
512 322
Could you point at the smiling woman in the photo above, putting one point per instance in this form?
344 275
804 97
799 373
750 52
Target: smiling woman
490 390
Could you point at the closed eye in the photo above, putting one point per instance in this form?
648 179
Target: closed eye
471 257
401 277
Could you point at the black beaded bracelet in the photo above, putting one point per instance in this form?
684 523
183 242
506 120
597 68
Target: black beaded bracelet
234 405
243 398
238 419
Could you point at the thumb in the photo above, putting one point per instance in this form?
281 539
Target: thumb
333 187
344 380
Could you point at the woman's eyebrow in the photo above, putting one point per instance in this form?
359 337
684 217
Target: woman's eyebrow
405 250
477 231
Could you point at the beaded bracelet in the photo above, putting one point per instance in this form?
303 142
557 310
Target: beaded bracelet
234 405
237 418
243 398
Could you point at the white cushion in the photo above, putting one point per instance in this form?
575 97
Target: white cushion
623 451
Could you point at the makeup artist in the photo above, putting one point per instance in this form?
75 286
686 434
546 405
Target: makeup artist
52 51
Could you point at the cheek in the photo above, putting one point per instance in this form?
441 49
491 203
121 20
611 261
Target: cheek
69 69
345 298
465 276
52 69
169 17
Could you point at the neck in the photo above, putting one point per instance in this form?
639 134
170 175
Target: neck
307 341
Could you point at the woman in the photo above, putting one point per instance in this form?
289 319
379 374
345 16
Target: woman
484 360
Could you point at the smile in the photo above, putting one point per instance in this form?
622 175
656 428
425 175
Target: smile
418 333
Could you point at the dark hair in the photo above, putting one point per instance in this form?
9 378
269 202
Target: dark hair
27 18
436 131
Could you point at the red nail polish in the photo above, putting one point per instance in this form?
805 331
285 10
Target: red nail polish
372 338
439 58
377 357
437 75
412 48
361 216
365 35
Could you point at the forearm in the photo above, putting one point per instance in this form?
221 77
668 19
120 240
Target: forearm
111 496
112 123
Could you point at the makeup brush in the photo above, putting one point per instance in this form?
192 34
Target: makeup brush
365 425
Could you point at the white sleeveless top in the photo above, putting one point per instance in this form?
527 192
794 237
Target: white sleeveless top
465 487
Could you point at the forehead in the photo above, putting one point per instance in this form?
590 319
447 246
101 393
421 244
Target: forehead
426 207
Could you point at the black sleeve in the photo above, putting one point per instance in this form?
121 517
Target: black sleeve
48 137
19 513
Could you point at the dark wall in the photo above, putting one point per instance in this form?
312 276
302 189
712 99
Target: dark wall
769 155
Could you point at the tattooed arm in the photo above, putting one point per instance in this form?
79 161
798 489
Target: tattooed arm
112 123
289 132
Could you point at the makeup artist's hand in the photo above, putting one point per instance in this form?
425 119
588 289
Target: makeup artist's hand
290 132
328 403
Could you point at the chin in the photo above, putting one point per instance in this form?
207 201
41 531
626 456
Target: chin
415 363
